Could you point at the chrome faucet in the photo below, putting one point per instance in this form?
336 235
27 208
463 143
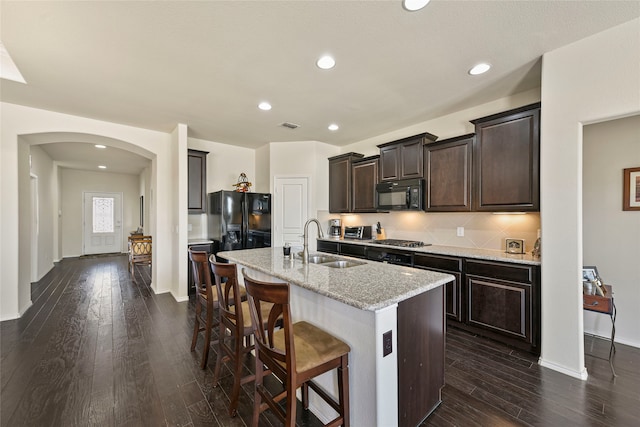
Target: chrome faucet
305 249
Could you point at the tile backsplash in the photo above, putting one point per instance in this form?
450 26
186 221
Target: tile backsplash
481 230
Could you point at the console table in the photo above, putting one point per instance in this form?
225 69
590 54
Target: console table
605 305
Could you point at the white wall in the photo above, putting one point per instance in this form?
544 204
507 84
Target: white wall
18 121
43 167
263 160
611 236
225 163
304 158
591 80
74 182
448 126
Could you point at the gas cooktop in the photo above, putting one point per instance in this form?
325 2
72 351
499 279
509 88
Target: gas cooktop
401 243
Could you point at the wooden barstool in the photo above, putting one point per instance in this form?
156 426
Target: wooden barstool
207 298
235 327
295 354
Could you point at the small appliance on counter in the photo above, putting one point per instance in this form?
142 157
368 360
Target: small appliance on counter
360 232
335 228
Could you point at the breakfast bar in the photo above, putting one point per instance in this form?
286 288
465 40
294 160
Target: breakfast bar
391 316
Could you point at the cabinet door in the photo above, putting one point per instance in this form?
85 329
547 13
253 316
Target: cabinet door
411 159
358 251
365 178
450 265
329 247
197 180
340 181
448 175
500 306
506 162
389 162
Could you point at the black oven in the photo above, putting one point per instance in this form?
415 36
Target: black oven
401 195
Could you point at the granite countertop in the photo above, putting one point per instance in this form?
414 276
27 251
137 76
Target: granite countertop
485 254
200 241
370 286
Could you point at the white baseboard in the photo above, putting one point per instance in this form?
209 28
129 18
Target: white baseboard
581 375
25 308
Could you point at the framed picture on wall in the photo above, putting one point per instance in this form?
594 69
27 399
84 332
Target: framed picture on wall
589 273
631 189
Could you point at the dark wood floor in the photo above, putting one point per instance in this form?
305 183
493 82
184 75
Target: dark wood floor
97 349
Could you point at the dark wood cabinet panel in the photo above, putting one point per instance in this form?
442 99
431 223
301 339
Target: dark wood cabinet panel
504 307
421 357
358 251
389 163
447 173
503 302
507 161
340 182
365 178
329 247
403 159
197 181
453 290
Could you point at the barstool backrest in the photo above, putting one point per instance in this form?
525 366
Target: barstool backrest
279 360
229 295
201 275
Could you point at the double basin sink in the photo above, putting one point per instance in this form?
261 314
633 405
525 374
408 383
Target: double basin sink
329 261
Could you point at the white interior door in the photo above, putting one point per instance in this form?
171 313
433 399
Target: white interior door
291 209
102 223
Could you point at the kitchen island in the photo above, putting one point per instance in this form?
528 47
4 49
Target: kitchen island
392 317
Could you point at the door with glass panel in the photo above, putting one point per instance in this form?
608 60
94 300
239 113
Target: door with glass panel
102 223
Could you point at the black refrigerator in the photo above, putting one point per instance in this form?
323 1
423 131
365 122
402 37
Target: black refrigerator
238 220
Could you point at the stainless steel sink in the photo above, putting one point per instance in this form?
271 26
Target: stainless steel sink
320 259
343 264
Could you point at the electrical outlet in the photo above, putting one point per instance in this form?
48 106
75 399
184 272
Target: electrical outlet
387 343
460 232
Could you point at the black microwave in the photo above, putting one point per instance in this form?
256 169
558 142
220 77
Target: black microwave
401 195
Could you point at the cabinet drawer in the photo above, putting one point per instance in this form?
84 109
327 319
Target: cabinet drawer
596 303
514 272
329 247
438 261
358 251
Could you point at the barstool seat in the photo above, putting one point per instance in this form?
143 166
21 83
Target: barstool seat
295 354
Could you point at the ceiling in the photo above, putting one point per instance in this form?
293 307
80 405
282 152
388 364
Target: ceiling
208 64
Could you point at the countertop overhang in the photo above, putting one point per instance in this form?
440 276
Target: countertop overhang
477 253
371 286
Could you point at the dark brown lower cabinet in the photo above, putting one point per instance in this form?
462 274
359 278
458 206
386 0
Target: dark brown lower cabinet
503 302
328 247
453 290
421 327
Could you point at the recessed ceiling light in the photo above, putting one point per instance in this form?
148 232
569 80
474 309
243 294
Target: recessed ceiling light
413 5
333 126
102 167
100 146
265 106
326 62
479 69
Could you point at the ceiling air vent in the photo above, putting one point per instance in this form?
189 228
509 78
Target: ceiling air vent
289 125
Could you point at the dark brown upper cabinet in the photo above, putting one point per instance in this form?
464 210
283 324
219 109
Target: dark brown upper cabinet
402 159
447 174
197 165
363 190
507 161
340 182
